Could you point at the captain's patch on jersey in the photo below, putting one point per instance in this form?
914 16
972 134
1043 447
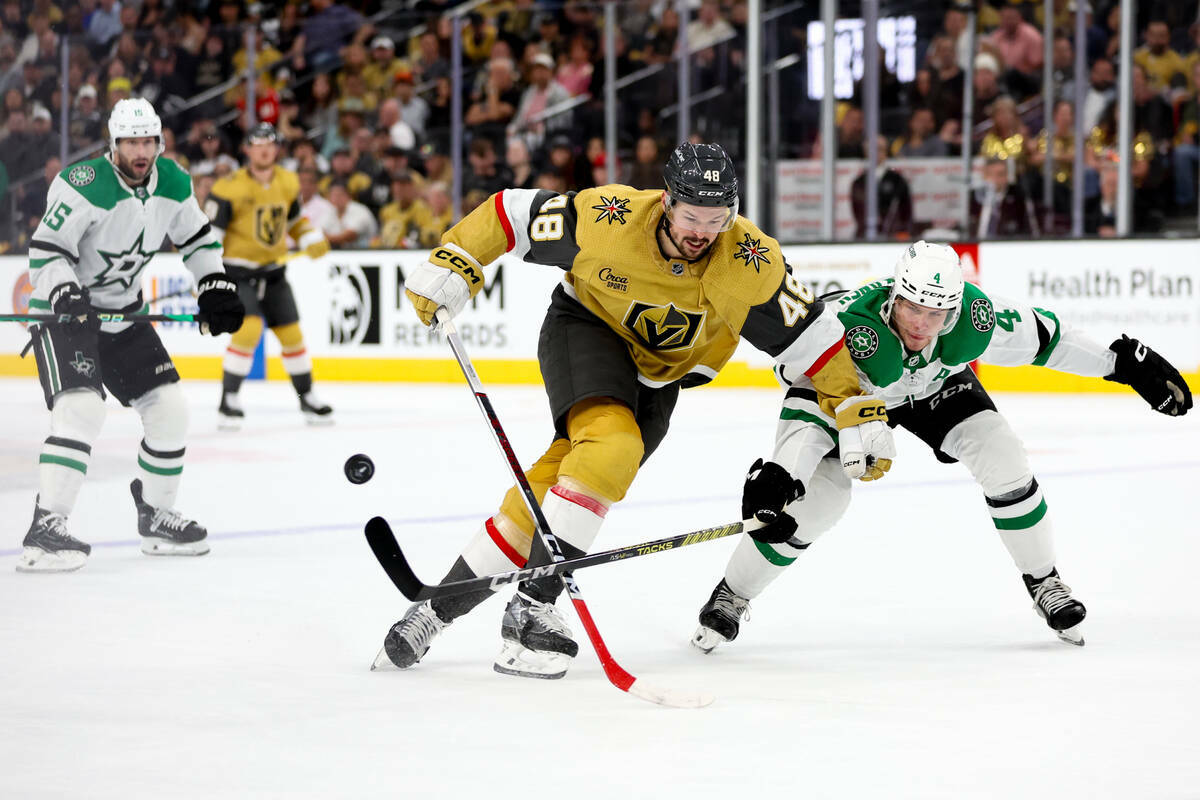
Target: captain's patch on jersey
982 316
81 175
664 327
752 252
862 341
612 209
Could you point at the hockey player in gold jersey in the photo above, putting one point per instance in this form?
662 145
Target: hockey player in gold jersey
659 287
254 211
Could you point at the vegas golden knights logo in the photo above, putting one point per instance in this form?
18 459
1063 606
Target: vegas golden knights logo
664 327
269 223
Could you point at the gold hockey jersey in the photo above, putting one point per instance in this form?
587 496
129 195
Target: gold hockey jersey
680 320
255 220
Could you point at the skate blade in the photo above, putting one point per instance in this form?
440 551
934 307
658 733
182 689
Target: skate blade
516 659
153 546
382 661
35 559
229 424
318 421
706 639
1071 636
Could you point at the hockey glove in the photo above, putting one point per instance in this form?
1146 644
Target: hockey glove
73 301
1151 376
864 438
447 280
221 311
317 249
767 491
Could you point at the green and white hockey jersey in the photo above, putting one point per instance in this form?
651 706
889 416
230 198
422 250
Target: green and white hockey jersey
100 233
992 330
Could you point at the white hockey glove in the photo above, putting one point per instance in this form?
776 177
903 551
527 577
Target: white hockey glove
447 280
864 438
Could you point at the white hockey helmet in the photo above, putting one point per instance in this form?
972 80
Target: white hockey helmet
134 117
929 275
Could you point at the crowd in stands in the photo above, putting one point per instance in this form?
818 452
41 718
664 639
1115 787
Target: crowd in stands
361 95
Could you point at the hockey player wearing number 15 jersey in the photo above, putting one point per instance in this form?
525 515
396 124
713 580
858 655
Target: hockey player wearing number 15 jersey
912 340
105 220
658 288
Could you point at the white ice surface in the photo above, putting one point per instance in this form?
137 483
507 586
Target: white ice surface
899 657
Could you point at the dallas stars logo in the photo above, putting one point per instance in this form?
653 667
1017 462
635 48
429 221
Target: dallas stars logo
752 252
612 209
122 268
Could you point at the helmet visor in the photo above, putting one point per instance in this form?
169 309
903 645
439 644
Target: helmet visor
702 219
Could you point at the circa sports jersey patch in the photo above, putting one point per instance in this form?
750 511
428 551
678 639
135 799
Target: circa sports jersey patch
752 252
612 209
982 316
862 341
81 175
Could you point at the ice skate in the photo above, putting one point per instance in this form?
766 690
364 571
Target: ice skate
1053 602
314 410
409 639
165 532
48 546
720 618
537 640
230 415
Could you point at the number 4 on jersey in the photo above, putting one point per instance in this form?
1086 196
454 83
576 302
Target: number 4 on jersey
1007 319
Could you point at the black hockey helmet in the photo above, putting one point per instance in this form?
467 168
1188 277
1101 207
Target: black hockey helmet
702 175
262 132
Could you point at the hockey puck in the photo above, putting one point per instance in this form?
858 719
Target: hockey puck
359 468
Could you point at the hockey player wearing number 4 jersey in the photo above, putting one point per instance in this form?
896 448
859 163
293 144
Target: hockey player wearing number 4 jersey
105 219
658 288
912 339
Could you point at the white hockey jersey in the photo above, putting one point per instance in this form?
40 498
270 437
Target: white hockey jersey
101 233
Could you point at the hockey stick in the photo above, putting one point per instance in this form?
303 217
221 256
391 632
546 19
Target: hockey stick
63 319
391 558
616 674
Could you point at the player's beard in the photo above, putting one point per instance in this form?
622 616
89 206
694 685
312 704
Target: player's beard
128 171
686 252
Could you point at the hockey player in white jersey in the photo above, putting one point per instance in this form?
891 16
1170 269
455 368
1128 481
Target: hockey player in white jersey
105 218
912 340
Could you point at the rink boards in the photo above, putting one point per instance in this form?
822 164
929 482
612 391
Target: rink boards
358 325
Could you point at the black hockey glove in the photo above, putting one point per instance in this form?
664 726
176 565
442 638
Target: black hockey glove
73 300
1151 376
768 489
220 309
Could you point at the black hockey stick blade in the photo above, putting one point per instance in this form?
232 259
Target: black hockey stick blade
390 556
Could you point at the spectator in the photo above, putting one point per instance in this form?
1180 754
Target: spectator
647 165
202 183
1101 92
575 74
988 85
486 174
1062 152
1063 65
18 148
211 69
1164 68
493 110
1186 156
214 154
954 27
33 197
330 26
429 64
438 167
895 207
391 120
441 214
1018 43
163 86
86 125
921 141
315 208
350 225
478 36
402 220
519 160
575 172
1101 218
1001 207
414 111
290 125
542 93
380 71
1008 134
266 57
341 170
304 155
708 28
104 24
948 81
850 133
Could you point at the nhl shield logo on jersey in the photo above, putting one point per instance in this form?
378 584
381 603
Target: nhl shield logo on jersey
752 252
663 327
84 365
81 175
982 316
862 341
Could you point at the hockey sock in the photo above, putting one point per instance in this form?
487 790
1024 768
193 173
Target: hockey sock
1020 519
297 363
230 383
75 421
239 354
754 565
488 552
574 518
160 454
